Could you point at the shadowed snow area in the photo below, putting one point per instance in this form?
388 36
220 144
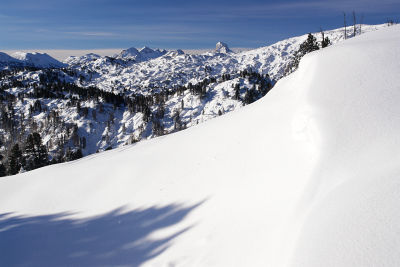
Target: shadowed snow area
115 238
306 176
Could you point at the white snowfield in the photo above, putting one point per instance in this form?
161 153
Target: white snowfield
310 180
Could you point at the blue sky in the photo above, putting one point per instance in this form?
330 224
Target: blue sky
99 24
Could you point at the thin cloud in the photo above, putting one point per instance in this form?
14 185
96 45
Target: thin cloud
92 34
326 6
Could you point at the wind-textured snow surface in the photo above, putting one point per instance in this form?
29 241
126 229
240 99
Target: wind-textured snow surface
306 176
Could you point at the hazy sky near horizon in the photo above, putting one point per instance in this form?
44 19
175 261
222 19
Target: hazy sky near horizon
104 24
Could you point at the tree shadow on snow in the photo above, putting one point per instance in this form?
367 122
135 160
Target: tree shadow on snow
115 238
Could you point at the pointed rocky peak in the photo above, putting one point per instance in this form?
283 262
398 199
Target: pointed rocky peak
222 48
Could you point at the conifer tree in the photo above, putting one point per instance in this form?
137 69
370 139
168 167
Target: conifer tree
15 159
306 47
237 92
3 170
325 42
35 152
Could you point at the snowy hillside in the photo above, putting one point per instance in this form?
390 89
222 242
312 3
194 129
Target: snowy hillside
306 176
74 60
69 116
7 61
4 58
38 60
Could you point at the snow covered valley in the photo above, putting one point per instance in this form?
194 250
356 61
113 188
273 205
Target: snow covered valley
305 176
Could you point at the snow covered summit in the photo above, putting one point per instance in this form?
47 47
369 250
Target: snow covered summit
74 60
40 60
221 47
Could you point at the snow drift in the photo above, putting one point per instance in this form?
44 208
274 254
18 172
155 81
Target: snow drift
310 180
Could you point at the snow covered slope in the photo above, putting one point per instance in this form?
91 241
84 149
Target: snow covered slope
7 61
352 217
309 180
4 58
